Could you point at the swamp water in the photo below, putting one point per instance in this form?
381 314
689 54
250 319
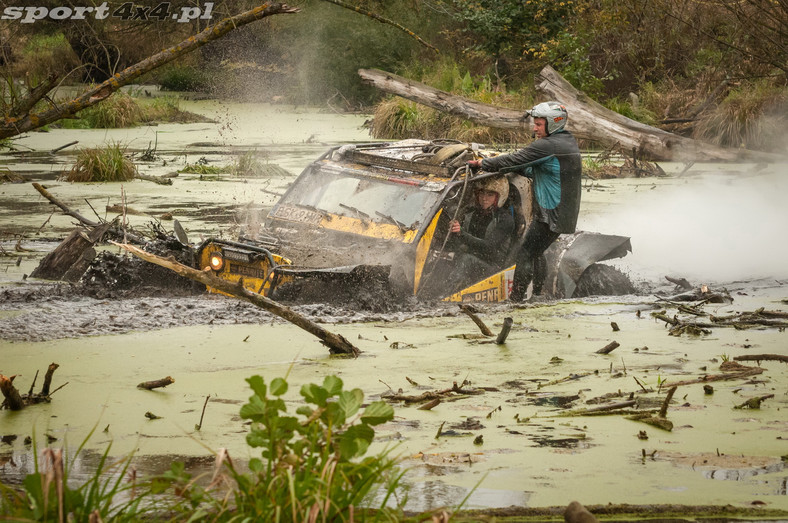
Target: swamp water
719 225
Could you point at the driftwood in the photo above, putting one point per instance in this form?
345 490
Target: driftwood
610 347
23 120
588 120
507 326
69 260
471 312
733 371
762 357
744 320
161 180
336 343
430 396
155 384
13 400
754 403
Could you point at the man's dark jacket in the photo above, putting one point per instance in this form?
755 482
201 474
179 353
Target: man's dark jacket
555 165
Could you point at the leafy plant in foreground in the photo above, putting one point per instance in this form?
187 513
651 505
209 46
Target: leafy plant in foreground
312 465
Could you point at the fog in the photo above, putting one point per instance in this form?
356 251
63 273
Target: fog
715 227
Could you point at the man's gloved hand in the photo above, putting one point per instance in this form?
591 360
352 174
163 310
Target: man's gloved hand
475 165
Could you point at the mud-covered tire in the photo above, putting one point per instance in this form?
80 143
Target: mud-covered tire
603 280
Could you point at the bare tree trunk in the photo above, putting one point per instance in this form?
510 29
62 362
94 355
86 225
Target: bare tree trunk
20 123
588 120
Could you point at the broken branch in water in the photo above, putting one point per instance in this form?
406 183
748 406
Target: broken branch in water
13 400
754 403
507 326
471 312
762 357
336 343
155 384
610 347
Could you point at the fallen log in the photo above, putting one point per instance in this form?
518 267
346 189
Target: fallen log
762 357
610 347
161 180
336 343
155 384
588 120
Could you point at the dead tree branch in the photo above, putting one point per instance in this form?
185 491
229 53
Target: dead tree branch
336 343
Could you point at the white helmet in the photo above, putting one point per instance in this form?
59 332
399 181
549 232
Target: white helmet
498 185
555 114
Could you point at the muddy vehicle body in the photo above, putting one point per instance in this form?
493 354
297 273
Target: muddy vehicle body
380 213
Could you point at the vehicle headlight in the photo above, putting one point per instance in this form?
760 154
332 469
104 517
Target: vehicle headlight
216 261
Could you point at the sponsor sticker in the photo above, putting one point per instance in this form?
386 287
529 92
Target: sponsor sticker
163 11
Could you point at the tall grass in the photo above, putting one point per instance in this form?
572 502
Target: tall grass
102 164
112 493
753 116
396 118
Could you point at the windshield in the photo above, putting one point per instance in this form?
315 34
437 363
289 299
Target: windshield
385 201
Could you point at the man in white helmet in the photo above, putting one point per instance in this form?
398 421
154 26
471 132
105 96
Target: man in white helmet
553 161
483 236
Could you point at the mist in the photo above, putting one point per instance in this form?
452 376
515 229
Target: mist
711 228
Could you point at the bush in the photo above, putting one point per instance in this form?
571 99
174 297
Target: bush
102 164
119 110
751 116
312 466
184 78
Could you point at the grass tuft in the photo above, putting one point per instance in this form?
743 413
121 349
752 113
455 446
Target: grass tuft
752 116
102 164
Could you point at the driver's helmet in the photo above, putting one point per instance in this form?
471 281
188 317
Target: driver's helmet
496 184
555 114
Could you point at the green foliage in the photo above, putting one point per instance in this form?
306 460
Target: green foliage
513 26
312 461
182 77
311 466
636 112
44 54
102 164
751 116
119 110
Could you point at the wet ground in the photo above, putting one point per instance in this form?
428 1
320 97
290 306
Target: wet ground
719 225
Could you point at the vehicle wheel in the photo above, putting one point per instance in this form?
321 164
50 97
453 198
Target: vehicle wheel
603 280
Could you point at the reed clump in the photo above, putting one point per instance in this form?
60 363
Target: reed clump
102 164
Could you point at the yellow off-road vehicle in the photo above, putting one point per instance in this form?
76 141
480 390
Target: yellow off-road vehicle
381 212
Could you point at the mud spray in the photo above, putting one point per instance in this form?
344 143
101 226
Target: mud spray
715 227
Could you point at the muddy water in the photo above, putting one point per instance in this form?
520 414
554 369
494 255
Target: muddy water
530 455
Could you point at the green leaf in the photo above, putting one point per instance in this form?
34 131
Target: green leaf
257 383
355 441
377 412
254 410
333 385
278 386
350 401
314 394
